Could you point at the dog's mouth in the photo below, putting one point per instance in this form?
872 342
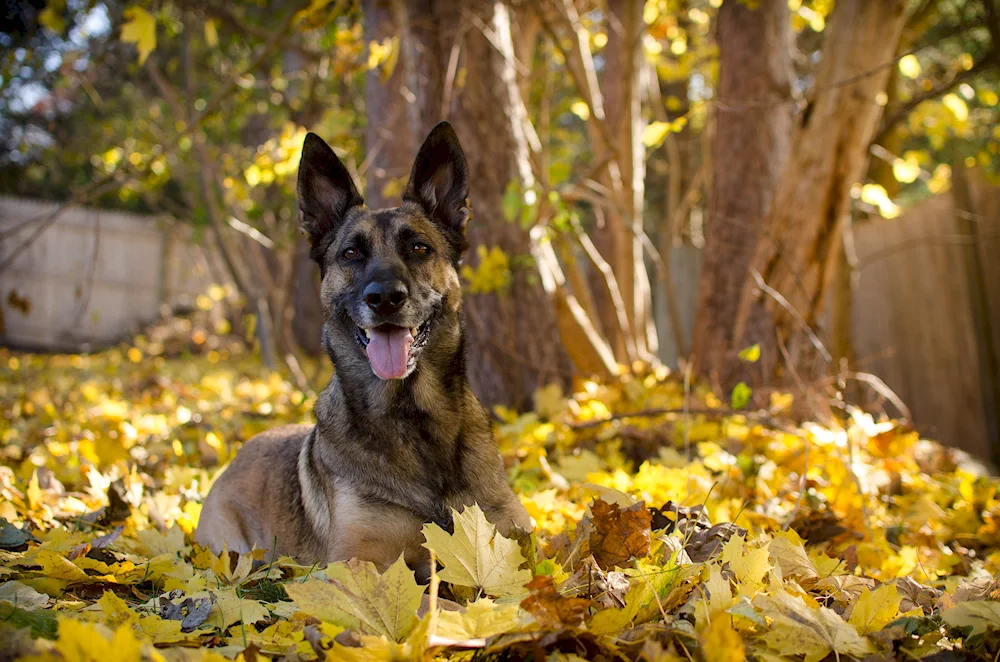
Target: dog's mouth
391 349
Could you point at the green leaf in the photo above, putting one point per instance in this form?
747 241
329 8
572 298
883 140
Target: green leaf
477 556
741 396
750 354
546 567
42 622
140 30
978 615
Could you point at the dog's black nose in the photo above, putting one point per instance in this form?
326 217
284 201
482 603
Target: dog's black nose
385 297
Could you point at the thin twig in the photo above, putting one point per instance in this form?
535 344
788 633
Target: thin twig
784 303
686 412
250 231
882 389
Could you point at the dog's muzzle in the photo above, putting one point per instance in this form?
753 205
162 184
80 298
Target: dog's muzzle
392 350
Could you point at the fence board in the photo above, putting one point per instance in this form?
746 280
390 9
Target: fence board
93 276
912 323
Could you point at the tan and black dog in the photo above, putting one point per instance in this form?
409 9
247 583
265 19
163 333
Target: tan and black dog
399 439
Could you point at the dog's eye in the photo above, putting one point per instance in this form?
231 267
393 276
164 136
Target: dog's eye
421 249
351 254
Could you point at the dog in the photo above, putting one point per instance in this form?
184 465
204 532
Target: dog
400 439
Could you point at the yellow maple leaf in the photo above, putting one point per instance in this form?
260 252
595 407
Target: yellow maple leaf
798 629
610 621
358 597
482 618
56 566
86 642
873 610
140 29
230 608
720 642
788 554
116 612
477 555
749 566
718 595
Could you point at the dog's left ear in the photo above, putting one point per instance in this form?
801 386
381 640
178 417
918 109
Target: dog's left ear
439 181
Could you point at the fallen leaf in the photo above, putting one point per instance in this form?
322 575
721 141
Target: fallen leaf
551 609
191 612
230 608
979 616
798 629
476 555
787 553
86 642
620 534
23 596
481 618
873 610
721 643
358 597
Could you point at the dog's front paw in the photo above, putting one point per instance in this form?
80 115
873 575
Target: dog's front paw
444 519
422 573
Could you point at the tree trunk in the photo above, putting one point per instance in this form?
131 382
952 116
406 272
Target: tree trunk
393 123
512 337
619 237
796 255
307 319
753 126
514 342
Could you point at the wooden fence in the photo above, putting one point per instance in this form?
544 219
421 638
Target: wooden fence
927 311
91 277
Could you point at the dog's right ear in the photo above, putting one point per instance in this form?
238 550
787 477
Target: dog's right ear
326 191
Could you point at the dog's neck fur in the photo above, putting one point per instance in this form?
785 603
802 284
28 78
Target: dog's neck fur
418 425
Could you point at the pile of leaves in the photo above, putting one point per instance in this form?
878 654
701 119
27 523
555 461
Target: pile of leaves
668 527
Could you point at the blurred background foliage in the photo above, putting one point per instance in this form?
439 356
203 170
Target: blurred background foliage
601 136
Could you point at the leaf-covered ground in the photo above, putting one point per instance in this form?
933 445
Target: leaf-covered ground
695 536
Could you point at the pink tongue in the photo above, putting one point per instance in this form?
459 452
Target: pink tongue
388 351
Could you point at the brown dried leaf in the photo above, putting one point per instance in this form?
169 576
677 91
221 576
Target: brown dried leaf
619 534
549 608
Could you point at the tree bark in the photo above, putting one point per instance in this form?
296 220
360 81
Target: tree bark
753 125
512 336
514 342
619 237
391 138
797 253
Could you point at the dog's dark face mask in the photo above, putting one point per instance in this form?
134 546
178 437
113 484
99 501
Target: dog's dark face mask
390 284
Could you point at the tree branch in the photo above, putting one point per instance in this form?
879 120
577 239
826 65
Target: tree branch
224 14
988 62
